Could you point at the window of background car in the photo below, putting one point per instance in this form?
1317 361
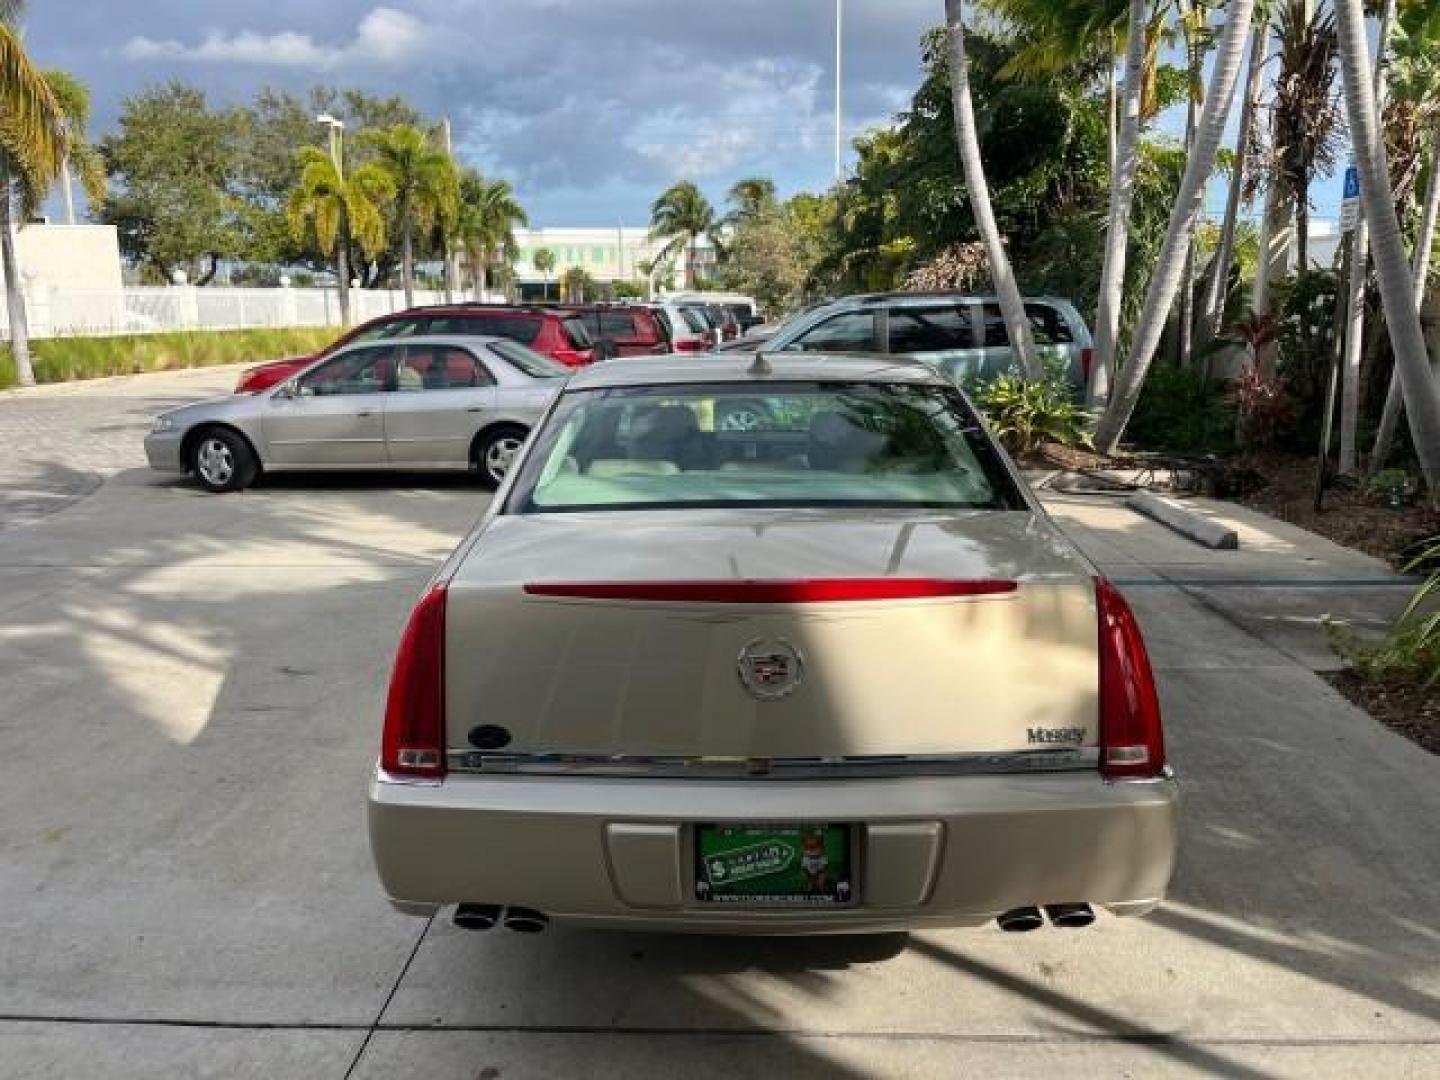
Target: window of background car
395 329
578 334
617 324
524 329
695 320
941 328
1046 324
437 367
360 371
825 444
851 331
528 361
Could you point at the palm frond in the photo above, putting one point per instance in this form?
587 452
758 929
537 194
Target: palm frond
32 123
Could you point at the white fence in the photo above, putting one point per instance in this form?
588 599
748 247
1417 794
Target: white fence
154 309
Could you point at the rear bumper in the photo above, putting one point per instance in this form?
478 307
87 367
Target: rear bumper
934 851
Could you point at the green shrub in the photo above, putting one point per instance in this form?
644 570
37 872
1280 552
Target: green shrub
1180 411
69 359
1024 415
1411 651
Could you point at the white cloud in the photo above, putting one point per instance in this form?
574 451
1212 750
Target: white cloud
384 36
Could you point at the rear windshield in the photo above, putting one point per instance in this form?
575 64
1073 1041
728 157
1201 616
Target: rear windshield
695 319
523 329
786 445
529 362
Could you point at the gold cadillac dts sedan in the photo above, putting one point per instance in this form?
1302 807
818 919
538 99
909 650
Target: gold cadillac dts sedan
829 670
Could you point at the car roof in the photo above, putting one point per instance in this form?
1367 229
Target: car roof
459 341
473 308
741 367
902 298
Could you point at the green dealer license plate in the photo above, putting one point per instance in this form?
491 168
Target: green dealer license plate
776 865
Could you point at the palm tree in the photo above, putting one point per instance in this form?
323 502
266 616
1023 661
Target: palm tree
426 189
680 216
545 262
34 139
489 213
1012 306
750 198
339 209
1306 113
1212 308
1122 196
1229 55
1414 74
1397 292
1354 319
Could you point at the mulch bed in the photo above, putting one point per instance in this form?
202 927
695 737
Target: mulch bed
1286 490
1406 708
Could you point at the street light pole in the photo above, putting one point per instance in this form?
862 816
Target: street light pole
839 69
342 242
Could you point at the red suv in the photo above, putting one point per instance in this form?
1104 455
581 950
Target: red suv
622 329
558 334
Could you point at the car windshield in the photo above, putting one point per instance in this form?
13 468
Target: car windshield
780 445
528 361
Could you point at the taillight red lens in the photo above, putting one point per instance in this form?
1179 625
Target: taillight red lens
1132 739
689 345
414 739
1087 364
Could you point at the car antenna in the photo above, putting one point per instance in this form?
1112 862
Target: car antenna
761 367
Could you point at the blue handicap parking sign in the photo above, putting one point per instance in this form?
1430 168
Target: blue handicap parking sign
1352 182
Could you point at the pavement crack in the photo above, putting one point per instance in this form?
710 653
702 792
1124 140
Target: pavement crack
385 1005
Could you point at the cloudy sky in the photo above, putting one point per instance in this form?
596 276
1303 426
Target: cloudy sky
589 106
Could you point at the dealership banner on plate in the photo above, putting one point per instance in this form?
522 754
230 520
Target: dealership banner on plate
774 864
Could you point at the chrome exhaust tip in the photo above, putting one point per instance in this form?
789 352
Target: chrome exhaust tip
477 916
524 921
1019 920
1069 915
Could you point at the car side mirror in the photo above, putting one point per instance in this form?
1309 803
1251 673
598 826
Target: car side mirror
288 389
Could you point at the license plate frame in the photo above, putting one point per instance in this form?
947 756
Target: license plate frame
786 865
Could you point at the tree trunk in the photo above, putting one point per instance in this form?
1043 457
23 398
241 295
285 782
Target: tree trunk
342 266
691 280
1355 296
448 277
1229 55
1122 195
1112 114
482 276
1012 306
14 290
1420 274
1187 286
407 259
1212 311
1397 292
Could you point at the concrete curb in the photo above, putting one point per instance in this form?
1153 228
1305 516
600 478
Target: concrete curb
1187 523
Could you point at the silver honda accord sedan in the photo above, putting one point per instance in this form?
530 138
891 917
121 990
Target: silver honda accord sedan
421 404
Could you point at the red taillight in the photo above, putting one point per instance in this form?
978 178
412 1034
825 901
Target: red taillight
1132 739
1087 362
801 591
689 345
414 739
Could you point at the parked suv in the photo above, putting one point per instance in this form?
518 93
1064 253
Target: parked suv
553 332
622 329
686 327
962 335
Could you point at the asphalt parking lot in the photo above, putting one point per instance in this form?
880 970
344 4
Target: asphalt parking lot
192 688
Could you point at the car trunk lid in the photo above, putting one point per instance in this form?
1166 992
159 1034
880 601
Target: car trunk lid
759 637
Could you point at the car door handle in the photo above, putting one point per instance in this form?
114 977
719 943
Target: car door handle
365 413
476 408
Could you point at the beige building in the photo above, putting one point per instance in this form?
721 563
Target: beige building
607 255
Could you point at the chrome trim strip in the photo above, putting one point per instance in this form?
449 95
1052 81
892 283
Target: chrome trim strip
622 765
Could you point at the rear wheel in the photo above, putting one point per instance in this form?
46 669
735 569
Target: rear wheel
494 453
221 460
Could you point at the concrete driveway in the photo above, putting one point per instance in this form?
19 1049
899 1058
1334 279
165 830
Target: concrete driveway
191 696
